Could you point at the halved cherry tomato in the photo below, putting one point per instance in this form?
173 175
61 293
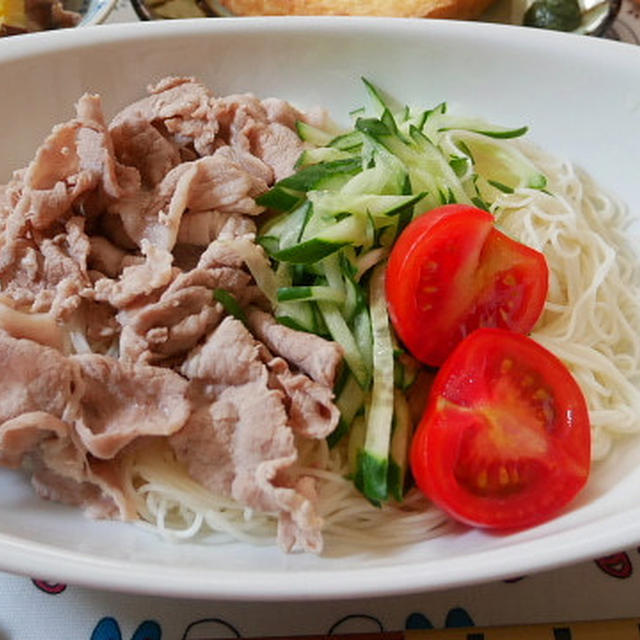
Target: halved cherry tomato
505 439
451 272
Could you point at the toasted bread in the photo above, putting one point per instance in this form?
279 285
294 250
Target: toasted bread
459 9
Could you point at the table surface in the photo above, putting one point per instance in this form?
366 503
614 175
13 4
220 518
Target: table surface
601 589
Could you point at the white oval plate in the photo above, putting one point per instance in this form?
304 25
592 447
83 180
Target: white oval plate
581 97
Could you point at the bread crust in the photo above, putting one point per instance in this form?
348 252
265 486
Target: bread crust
459 9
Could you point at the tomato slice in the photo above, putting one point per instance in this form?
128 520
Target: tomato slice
451 272
505 440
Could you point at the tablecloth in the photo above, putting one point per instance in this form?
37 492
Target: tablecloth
604 588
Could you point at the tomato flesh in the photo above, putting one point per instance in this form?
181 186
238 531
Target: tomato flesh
451 272
505 438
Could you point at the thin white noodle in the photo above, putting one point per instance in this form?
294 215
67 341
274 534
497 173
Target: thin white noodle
592 317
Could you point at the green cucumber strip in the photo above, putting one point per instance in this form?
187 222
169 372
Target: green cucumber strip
387 177
313 135
374 459
325 241
351 299
347 141
372 473
271 244
428 169
389 122
430 121
355 300
378 206
485 130
310 177
310 250
287 294
340 332
338 433
363 335
286 228
230 304
321 154
380 101
503 133
501 187
350 401
297 316
480 203
399 448
318 321
428 159
395 480
537 181
377 101
494 161
332 269
409 368
373 127
279 199
354 447
459 164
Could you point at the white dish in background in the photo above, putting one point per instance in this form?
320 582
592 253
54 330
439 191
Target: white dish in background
511 75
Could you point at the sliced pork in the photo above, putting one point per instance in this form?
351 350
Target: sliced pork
317 357
43 274
123 251
61 470
121 402
138 280
137 143
266 132
37 408
245 426
77 158
182 107
183 315
216 182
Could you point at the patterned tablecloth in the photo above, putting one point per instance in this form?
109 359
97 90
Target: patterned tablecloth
604 588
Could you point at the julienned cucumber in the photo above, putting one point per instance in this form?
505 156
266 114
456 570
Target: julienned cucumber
399 449
335 220
374 458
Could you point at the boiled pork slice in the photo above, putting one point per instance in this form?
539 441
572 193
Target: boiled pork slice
121 402
240 442
46 274
138 280
181 107
36 410
246 124
182 316
61 470
137 143
77 158
214 183
313 355
71 417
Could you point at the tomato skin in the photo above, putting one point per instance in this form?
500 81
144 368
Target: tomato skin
505 439
451 272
